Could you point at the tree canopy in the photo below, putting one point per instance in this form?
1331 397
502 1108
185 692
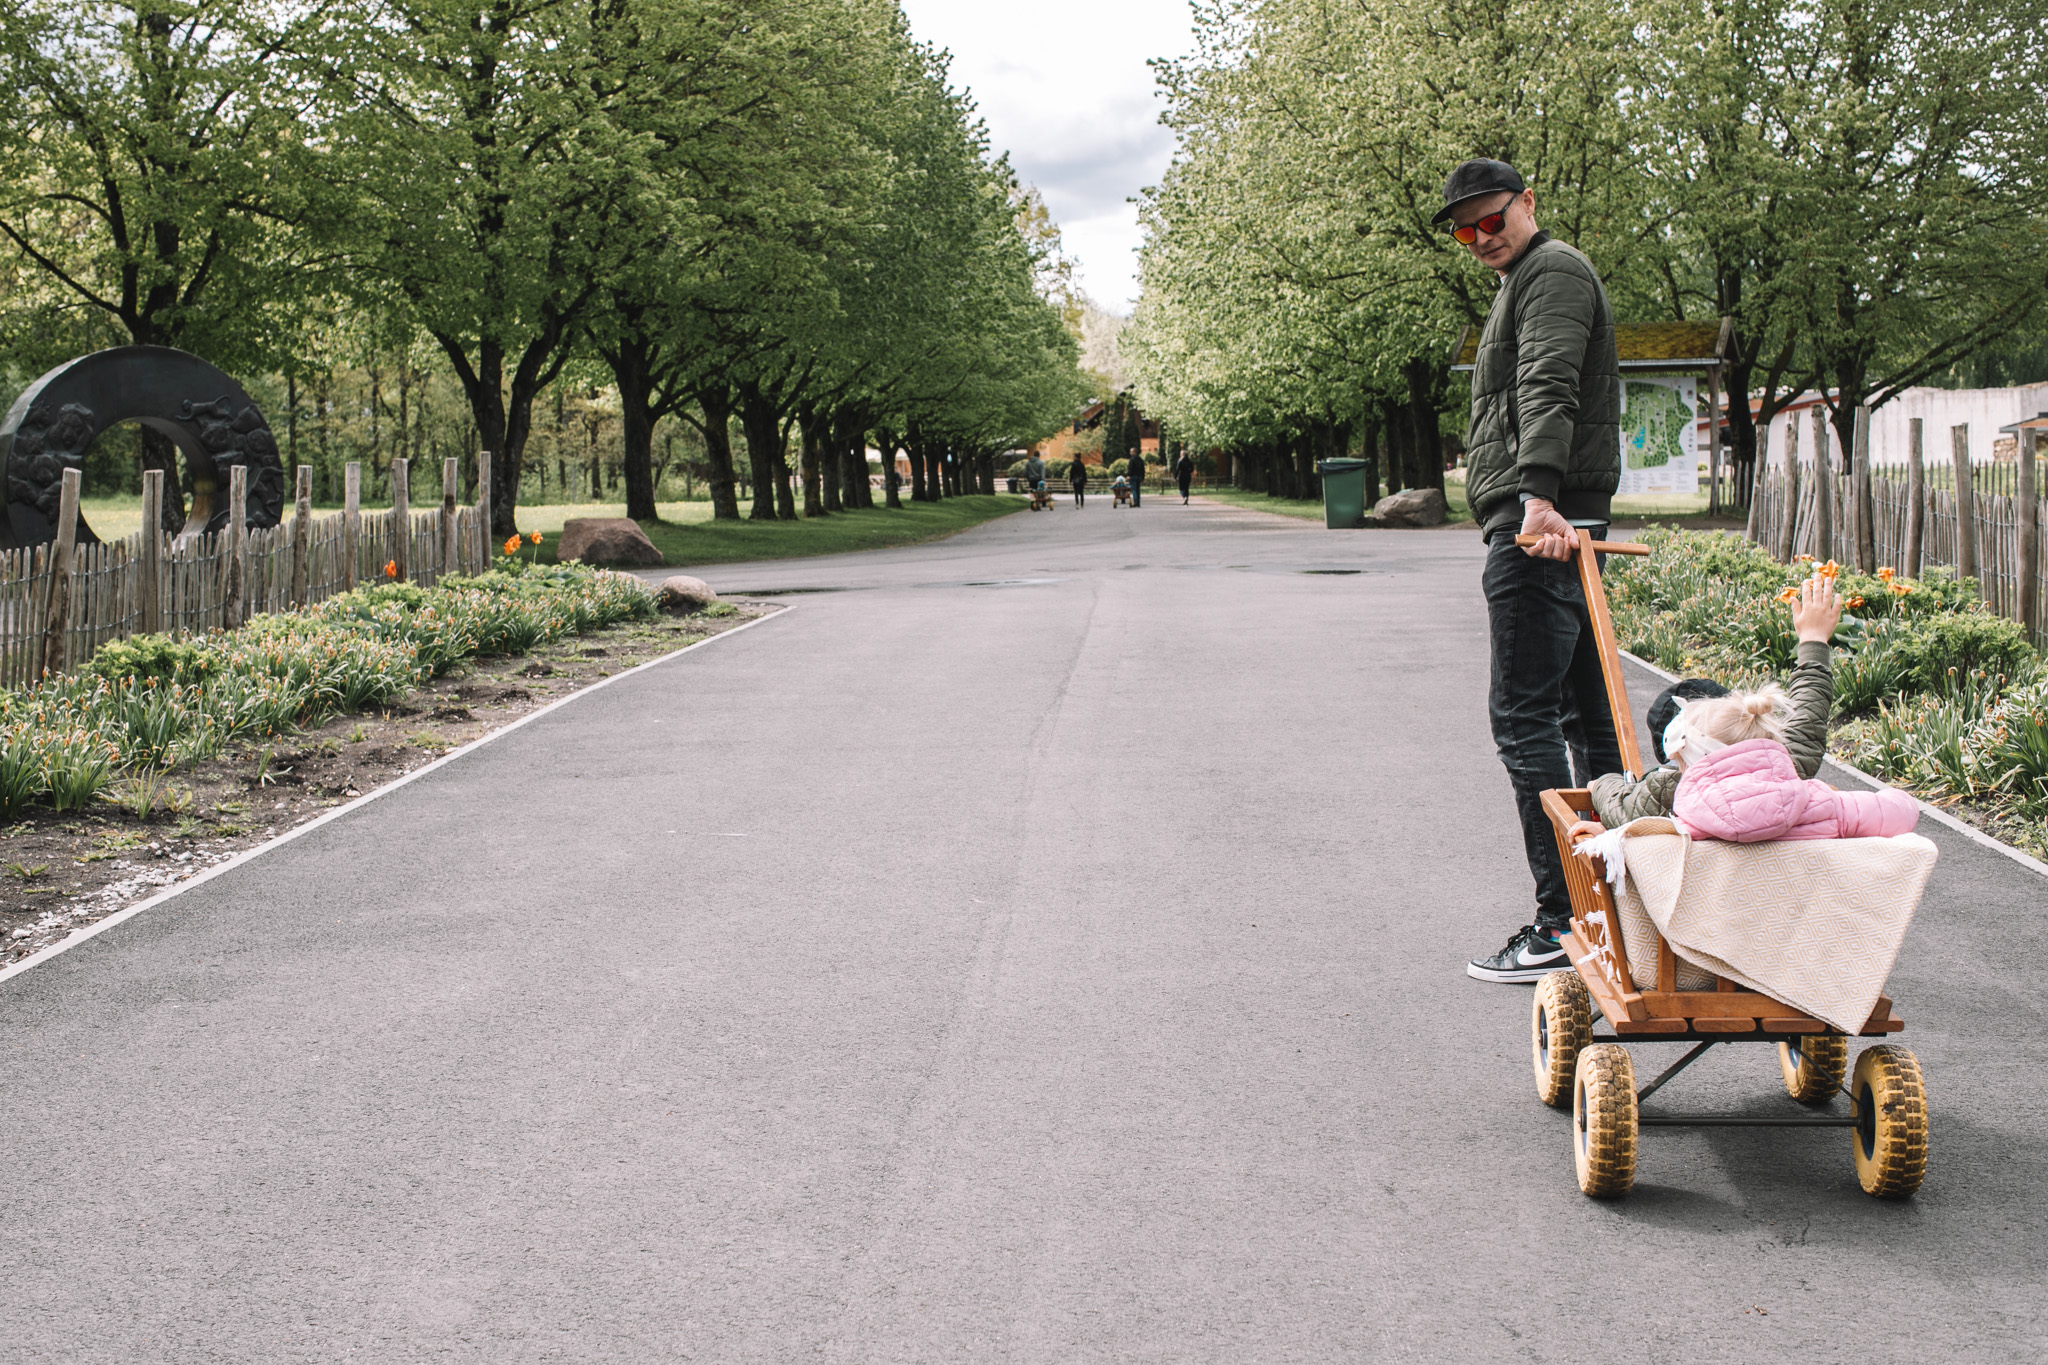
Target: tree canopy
1857 183
775 216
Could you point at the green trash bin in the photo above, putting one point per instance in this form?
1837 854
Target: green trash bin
1343 493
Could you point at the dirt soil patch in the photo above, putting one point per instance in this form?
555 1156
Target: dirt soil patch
60 872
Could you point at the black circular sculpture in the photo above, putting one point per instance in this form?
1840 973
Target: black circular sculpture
214 423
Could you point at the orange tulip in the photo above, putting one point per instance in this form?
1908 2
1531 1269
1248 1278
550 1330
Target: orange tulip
535 537
1885 574
391 568
1853 602
512 545
1788 594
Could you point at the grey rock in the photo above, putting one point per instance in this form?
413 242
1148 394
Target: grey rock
607 540
1412 507
683 594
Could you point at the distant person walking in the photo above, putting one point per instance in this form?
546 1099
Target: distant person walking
1184 475
1078 476
1137 468
1544 460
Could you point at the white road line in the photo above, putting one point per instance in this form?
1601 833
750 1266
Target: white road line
79 936
1940 816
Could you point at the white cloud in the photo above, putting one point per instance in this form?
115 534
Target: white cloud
1065 90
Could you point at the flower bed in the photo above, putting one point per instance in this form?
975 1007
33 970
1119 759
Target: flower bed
151 703
1932 692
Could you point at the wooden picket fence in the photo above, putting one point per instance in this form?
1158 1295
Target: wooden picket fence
2001 506
60 602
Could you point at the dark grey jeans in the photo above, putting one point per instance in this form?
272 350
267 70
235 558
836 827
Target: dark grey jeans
1547 701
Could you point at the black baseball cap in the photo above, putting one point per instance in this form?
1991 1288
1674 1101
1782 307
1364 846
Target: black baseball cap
1475 178
1666 706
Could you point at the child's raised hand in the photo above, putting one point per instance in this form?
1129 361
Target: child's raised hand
1582 830
1816 611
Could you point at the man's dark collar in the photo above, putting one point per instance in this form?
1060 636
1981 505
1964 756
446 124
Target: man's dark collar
1538 240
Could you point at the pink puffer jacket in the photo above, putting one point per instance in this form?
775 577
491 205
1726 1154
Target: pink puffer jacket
1748 793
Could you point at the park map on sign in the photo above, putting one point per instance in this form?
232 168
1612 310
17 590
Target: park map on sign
1656 426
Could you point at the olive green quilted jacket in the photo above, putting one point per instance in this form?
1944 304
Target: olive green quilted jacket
1546 393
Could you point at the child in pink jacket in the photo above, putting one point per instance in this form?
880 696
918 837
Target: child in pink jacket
1739 784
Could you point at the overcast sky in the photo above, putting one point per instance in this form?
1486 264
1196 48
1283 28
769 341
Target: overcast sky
1065 90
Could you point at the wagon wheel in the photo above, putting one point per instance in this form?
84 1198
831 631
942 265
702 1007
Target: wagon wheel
1891 1121
1814 1066
1559 1026
1604 1120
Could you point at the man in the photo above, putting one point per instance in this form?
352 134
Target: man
1184 475
1544 459
1137 468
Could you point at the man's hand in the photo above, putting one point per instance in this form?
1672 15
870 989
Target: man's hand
1539 518
1816 611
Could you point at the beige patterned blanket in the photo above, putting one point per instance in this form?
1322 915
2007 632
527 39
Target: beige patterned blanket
1816 923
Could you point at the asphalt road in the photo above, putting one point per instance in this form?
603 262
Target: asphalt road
1046 947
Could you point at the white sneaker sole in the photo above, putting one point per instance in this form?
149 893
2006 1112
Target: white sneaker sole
1516 975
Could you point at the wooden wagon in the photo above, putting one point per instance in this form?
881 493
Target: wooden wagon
1593 1073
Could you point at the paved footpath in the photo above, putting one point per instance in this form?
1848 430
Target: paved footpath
1047 948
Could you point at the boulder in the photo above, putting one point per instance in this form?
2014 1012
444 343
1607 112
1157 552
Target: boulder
1414 507
683 594
607 540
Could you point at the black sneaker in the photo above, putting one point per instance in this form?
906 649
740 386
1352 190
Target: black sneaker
1529 956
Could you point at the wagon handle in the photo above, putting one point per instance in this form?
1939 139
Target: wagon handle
1603 635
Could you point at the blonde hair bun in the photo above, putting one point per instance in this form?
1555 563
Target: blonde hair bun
1762 714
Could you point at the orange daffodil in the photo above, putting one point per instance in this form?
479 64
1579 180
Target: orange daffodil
1886 573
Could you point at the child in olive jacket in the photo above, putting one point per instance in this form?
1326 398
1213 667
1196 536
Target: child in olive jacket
1815 613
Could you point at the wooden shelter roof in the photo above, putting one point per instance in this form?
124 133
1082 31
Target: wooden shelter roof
1640 345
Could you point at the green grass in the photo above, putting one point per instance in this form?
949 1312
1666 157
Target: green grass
1311 509
687 535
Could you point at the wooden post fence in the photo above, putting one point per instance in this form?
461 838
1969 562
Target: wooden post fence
2030 532
302 535
1859 487
351 524
63 589
1823 488
149 590
1916 500
1788 523
1966 504
237 547
483 510
401 520
451 552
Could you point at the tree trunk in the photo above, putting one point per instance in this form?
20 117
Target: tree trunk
762 426
714 398
1305 448
785 496
1370 449
632 370
812 462
161 452
1423 388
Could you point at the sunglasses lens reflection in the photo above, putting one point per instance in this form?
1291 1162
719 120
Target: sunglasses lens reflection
1491 225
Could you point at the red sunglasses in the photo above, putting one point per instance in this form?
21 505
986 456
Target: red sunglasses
1491 225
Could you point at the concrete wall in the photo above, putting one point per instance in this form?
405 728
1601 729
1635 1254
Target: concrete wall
1984 410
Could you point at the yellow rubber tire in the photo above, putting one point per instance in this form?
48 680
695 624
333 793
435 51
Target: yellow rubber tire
1604 1120
1814 1066
1891 1122
1560 1025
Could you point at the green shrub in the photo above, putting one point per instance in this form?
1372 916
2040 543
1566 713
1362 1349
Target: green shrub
152 656
152 702
1935 648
